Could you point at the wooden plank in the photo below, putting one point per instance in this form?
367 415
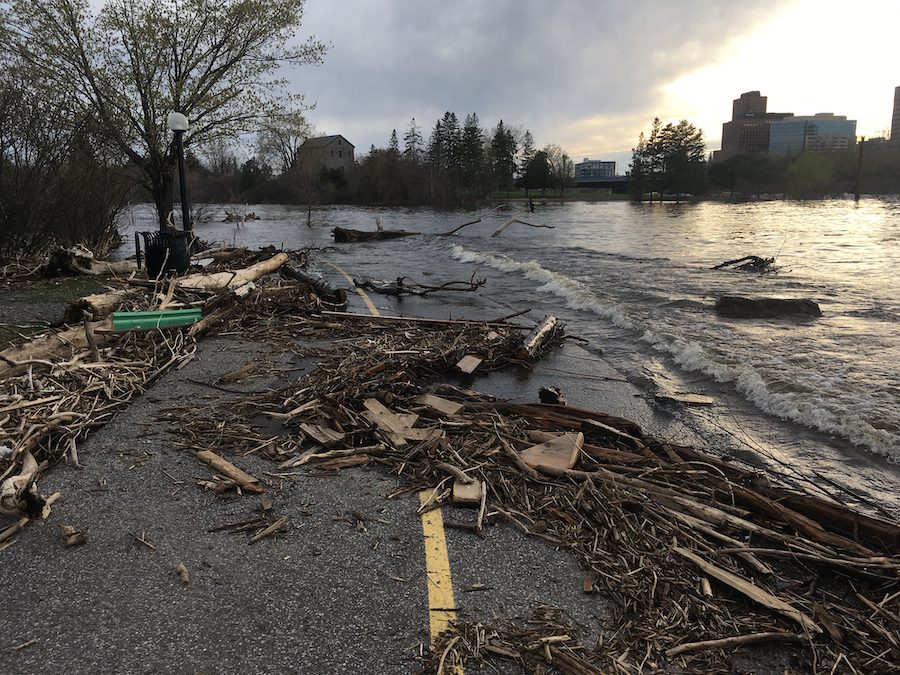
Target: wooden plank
441 405
687 399
223 466
560 453
384 418
469 363
322 435
467 494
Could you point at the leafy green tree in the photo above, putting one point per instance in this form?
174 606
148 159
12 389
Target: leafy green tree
134 61
682 154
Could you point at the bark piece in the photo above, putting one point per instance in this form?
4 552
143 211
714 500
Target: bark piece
539 338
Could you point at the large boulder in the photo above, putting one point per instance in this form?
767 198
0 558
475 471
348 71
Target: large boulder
739 307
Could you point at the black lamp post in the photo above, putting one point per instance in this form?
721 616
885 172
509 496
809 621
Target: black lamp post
178 123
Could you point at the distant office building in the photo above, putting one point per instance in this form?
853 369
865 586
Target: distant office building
895 120
748 130
824 132
594 168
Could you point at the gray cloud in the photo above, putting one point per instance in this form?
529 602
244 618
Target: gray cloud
548 66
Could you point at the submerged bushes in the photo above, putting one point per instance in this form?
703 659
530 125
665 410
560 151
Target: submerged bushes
58 183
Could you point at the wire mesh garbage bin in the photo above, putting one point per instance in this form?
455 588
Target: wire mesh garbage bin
166 251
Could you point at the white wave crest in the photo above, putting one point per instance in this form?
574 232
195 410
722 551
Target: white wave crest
693 356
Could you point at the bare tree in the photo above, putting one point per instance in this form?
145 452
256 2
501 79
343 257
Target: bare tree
280 138
562 168
134 61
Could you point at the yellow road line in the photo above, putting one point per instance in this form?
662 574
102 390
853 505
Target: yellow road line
373 310
441 606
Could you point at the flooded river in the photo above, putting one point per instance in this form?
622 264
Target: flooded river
819 398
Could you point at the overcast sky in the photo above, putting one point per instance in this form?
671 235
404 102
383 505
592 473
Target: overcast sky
590 75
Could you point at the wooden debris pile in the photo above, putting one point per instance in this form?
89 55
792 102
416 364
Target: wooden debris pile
698 555
546 639
58 388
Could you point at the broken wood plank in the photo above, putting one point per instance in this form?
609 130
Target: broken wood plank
223 466
383 418
441 405
322 435
467 494
560 452
469 363
687 399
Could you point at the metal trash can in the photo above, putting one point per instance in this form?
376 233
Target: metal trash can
166 251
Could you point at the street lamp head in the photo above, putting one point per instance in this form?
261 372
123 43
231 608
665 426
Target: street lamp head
177 121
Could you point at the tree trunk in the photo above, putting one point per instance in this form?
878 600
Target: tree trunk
162 190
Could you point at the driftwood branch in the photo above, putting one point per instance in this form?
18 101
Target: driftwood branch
749 263
402 287
457 229
516 219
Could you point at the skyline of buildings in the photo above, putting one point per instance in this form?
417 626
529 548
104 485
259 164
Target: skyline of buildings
754 130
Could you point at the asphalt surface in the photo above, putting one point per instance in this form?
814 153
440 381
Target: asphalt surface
324 596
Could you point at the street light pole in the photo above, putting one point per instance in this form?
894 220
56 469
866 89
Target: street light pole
178 124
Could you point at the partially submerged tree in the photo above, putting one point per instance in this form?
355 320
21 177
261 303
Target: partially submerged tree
134 61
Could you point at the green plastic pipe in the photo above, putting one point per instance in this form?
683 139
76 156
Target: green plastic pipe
167 318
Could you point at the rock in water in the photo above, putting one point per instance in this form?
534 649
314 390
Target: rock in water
739 307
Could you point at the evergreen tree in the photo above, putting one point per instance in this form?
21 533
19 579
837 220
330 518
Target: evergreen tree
471 152
412 142
537 173
451 139
672 158
393 144
527 152
682 157
503 156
